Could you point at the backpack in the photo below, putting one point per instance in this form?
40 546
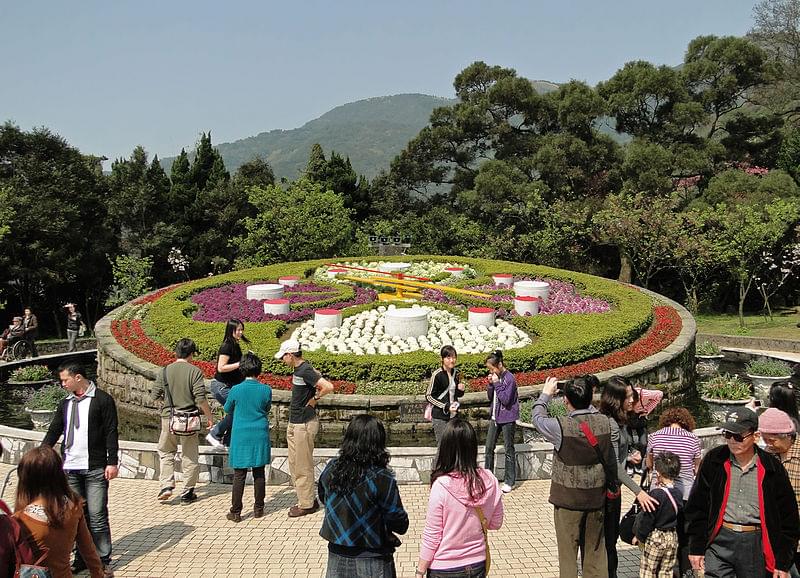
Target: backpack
26 564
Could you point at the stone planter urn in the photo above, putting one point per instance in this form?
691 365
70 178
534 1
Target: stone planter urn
720 408
762 383
530 435
41 418
707 365
34 384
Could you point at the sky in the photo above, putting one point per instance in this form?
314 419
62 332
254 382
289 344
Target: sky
110 75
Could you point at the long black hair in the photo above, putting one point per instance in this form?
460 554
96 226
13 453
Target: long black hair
458 455
230 327
612 400
781 396
363 447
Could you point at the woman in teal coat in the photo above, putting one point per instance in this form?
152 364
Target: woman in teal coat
249 403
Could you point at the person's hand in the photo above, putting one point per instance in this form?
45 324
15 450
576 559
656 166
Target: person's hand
751 405
697 562
111 472
550 386
635 457
493 378
312 402
780 574
648 503
453 408
635 541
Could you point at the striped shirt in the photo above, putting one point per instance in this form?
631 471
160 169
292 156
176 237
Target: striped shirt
688 448
792 465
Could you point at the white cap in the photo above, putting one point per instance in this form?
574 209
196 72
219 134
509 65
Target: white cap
288 346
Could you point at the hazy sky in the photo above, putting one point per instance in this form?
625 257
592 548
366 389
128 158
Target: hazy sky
113 74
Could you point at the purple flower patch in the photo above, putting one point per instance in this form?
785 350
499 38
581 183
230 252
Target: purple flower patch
562 299
230 302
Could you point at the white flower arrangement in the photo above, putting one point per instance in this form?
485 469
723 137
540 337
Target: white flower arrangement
364 334
428 269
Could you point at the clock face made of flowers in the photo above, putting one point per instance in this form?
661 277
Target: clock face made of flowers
583 317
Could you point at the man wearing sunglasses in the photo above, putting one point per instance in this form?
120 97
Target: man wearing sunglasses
741 517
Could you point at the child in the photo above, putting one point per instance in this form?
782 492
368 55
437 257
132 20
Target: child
658 530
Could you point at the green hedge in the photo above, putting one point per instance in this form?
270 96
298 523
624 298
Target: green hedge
557 340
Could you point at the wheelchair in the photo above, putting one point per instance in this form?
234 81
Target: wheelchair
18 350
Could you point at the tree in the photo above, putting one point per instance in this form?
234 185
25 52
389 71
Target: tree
746 232
254 173
132 277
301 222
317 165
695 256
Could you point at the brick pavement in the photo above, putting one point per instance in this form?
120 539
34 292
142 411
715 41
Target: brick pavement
193 541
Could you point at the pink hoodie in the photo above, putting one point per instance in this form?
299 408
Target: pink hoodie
453 537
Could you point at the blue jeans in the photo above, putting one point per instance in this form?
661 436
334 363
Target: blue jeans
92 486
511 456
472 571
222 429
344 567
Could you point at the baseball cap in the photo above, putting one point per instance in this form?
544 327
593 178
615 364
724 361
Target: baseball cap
741 420
288 346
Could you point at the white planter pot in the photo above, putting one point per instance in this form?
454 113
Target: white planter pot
707 365
394 267
276 306
41 418
407 322
762 384
532 289
481 316
455 271
527 305
332 273
503 279
265 291
289 281
327 318
720 408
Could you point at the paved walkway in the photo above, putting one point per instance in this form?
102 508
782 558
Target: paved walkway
193 541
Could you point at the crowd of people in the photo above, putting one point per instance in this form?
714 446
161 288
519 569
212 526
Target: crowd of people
730 513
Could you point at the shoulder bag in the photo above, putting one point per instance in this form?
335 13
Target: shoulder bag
428 413
181 422
485 528
627 525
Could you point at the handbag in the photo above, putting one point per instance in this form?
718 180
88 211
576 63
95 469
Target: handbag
485 528
627 525
181 422
428 413
23 569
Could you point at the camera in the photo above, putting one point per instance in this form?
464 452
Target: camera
560 385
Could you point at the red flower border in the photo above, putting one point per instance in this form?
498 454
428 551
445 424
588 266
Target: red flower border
665 329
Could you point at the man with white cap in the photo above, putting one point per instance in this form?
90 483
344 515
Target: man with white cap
741 517
777 430
308 386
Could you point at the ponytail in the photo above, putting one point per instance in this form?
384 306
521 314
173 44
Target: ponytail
495 359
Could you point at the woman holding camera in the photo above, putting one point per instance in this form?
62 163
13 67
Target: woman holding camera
465 502
363 510
502 393
443 391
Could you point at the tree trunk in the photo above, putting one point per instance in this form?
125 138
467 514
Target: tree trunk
624 269
742 295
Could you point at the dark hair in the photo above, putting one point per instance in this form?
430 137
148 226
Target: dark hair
495 359
592 381
678 415
40 474
184 348
230 327
612 400
73 368
363 447
448 351
579 392
668 464
458 454
781 396
250 365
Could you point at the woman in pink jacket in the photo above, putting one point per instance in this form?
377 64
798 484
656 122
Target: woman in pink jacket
453 542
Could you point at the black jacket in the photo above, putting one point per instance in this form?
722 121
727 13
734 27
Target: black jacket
103 436
705 509
436 395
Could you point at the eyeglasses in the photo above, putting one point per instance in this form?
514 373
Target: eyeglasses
735 436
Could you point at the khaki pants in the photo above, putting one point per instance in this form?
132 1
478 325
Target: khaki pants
300 439
167 450
574 528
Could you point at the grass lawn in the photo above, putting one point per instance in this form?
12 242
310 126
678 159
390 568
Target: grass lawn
782 326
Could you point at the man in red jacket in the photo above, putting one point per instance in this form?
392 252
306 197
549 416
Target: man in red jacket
741 517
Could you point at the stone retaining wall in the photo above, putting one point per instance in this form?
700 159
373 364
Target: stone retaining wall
411 465
129 380
745 342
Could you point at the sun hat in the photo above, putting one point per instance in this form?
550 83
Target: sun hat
775 421
288 346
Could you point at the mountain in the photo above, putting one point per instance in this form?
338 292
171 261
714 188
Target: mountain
371 132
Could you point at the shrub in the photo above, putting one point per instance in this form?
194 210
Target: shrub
31 373
555 408
767 367
47 398
707 348
726 387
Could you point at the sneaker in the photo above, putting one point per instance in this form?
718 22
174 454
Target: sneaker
505 488
165 493
188 496
297 511
214 440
